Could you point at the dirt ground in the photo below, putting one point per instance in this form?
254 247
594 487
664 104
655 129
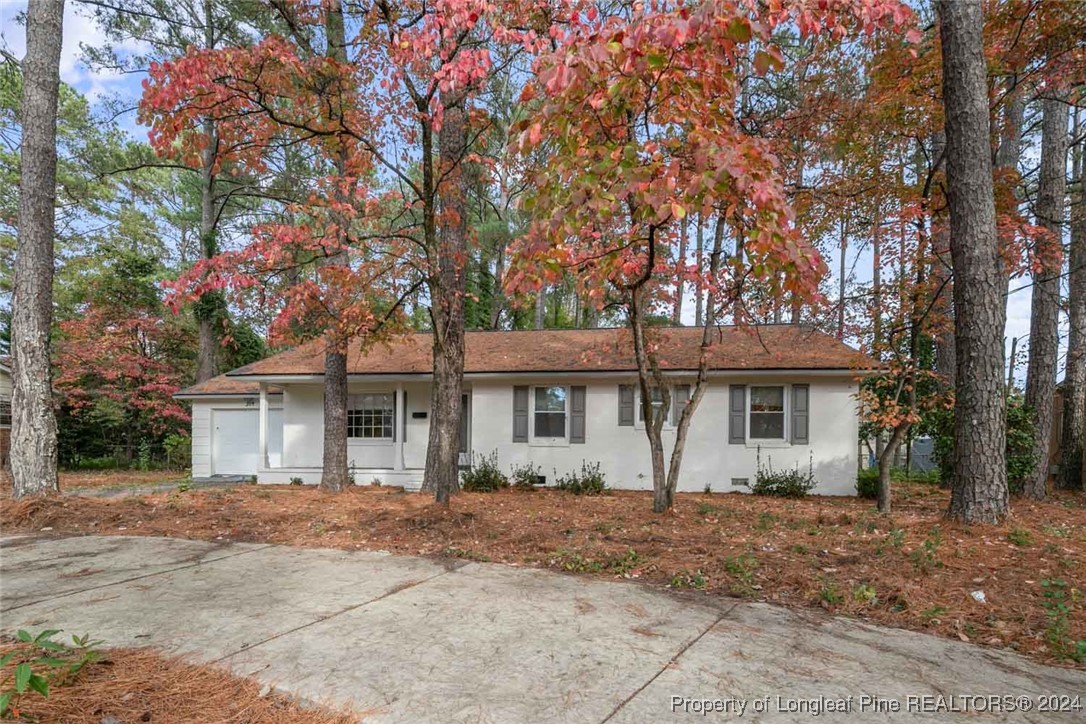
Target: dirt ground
127 686
1020 585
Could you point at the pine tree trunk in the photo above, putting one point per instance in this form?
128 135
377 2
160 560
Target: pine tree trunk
448 286
335 475
979 488
34 425
1074 386
1045 304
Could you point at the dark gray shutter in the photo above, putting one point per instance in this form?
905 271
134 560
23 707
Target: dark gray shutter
737 414
680 395
520 414
801 398
625 405
576 413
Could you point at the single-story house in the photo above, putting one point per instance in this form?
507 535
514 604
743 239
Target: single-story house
781 394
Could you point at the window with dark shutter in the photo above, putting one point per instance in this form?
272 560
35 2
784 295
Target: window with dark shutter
520 414
737 414
577 414
625 405
680 395
801 402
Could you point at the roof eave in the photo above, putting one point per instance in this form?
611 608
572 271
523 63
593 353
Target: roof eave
424 376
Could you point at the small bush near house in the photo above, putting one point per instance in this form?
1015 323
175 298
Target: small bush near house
296 480
525 476
589 481
484 475
867 483
784 483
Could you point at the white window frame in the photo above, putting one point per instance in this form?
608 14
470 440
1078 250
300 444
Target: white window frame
371 440
771 441
547 441
639 423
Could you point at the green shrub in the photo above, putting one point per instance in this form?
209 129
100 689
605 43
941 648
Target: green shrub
589 481
867 483
178 451
484 475
524 477
106 462
784 483
1021 459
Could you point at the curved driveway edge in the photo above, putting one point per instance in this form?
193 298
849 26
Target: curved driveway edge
406 639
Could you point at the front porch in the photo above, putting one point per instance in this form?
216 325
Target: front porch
388 430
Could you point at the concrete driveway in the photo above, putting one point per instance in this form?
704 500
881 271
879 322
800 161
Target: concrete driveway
414 640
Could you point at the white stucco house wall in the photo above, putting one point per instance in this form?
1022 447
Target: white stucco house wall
552 398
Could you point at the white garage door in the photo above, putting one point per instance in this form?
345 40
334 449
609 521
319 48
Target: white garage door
235 441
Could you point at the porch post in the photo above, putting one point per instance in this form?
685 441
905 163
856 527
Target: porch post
398 433
263 426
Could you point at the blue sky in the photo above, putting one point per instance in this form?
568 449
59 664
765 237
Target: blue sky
79 29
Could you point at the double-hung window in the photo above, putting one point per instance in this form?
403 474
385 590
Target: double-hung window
657 403
371 416
767 412
550 412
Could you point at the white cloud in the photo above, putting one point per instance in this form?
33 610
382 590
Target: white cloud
79 29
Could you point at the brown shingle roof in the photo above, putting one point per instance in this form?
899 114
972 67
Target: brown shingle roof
226 387
582 350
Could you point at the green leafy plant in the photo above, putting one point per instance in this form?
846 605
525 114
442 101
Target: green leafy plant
864 593
926 556
54 665
741 568
686 579
1059 604
178 449
484 475
1020 537
1021 457
931 615
867 483
295 480
784 483
830 594
184 485
524 476
144 454
589 481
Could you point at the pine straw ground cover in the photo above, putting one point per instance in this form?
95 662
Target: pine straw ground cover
913 570
80 479
128 686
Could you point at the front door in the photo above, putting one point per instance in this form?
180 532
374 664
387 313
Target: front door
465 431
